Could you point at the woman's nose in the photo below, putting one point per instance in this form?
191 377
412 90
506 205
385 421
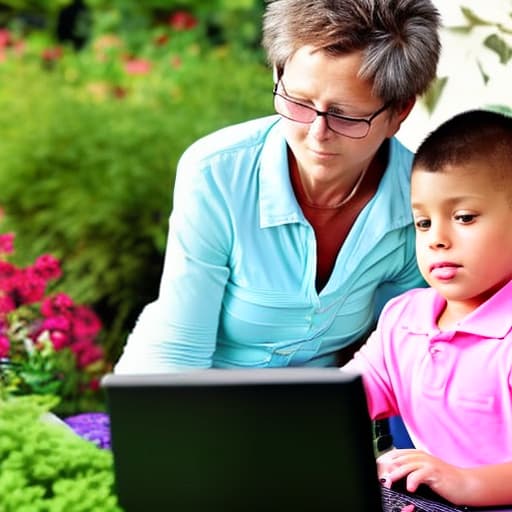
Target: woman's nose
319 127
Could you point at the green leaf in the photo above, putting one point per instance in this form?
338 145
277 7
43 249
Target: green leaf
473 19
433 94
500 46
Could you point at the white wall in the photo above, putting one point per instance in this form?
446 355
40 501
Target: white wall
463 58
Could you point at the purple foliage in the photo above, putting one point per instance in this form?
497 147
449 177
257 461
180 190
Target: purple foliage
93 426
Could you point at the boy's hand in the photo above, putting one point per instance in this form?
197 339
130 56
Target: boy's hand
417 468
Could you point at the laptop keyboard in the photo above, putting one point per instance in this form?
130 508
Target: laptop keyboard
394 501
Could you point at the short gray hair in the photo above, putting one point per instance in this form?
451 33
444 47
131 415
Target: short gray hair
399 39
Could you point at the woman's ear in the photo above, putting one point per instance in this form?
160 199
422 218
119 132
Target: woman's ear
400 116
275 74
406 110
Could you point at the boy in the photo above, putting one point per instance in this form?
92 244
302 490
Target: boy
441 357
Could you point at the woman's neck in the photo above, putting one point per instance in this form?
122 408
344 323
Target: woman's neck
336 194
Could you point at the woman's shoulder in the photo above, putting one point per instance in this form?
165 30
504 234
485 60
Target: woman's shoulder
400 157
233 139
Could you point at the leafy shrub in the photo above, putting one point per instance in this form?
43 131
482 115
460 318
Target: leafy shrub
46 468
87 159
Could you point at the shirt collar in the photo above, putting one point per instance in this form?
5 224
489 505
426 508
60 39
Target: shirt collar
278 205
492 319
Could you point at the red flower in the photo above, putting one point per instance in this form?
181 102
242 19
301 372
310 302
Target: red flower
94 385
119 92
161 40
182 20
5 38
51 54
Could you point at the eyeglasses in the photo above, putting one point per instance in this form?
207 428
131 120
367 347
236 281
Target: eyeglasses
353 127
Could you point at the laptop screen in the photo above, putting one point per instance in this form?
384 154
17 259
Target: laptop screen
234 440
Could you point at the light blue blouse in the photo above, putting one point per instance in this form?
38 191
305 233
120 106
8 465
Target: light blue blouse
238 286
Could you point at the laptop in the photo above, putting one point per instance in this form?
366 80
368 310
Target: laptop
272 439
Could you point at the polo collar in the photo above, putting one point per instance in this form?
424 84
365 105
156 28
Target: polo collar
492 319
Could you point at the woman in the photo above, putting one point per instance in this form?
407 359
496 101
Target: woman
289 233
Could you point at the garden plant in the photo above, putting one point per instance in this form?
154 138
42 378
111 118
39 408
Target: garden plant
98 99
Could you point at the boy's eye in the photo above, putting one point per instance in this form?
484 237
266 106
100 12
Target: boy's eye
422 223
465 218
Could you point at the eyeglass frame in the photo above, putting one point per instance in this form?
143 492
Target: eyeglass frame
325 113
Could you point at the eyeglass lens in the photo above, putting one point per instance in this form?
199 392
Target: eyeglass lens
355 128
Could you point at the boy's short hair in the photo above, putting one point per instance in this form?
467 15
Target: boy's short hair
471 136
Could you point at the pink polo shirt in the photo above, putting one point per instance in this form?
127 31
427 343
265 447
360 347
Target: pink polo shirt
452 388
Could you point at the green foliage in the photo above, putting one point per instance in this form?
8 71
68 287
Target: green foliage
46 468
234 22
36 5
431 97
88 176
495 41
500 46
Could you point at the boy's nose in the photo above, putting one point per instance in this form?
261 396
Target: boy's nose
438 238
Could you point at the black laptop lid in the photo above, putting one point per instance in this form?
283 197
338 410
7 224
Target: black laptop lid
237 440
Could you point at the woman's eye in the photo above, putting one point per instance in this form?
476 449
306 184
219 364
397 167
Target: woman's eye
335 111
422 224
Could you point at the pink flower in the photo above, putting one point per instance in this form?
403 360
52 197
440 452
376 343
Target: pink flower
137 66
4 345
59 339
86 352
88 356
59 323
58 304
7 304
47 267
7 271
7 243
27 288
182 20
86 324
5 38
